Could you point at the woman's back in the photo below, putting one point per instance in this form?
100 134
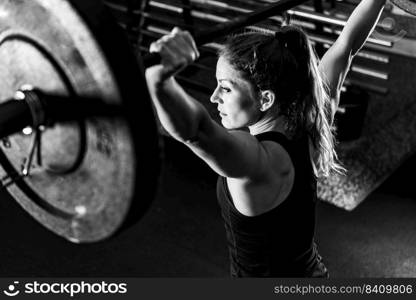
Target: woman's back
279 242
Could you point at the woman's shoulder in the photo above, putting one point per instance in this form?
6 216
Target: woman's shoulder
256 196
279 155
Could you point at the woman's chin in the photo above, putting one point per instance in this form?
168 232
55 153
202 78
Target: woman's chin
228 126
225 124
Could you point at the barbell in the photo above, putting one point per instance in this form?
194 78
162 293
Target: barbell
79 177
80 148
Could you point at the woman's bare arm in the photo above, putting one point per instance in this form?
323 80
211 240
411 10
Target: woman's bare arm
337 60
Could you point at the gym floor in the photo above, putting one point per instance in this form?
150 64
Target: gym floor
182 235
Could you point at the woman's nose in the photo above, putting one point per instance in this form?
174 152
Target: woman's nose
214 97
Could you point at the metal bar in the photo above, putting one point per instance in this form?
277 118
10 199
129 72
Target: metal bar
209 17
236 23
169 7
18 112
370 72
368 86
143 7
116 6
222 5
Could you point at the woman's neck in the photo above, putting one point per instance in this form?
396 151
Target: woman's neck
268 124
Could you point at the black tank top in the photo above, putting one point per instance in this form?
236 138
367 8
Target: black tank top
280 242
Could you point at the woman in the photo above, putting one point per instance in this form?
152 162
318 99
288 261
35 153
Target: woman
272 85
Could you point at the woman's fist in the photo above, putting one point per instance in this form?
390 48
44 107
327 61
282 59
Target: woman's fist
177 50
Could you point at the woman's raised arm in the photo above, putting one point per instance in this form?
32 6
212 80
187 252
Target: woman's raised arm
336 61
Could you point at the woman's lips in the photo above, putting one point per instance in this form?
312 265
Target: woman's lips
222 114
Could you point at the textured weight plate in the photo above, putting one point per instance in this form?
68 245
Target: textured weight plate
86 186
407 5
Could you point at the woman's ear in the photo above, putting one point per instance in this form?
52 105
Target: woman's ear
267 100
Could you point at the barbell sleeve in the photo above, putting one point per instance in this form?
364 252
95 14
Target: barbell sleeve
59 108
47 109
14 116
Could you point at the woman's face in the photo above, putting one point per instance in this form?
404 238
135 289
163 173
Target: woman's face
235 97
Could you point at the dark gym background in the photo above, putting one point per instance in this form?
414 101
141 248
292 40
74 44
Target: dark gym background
182 235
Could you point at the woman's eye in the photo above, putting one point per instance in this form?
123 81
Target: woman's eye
225 89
